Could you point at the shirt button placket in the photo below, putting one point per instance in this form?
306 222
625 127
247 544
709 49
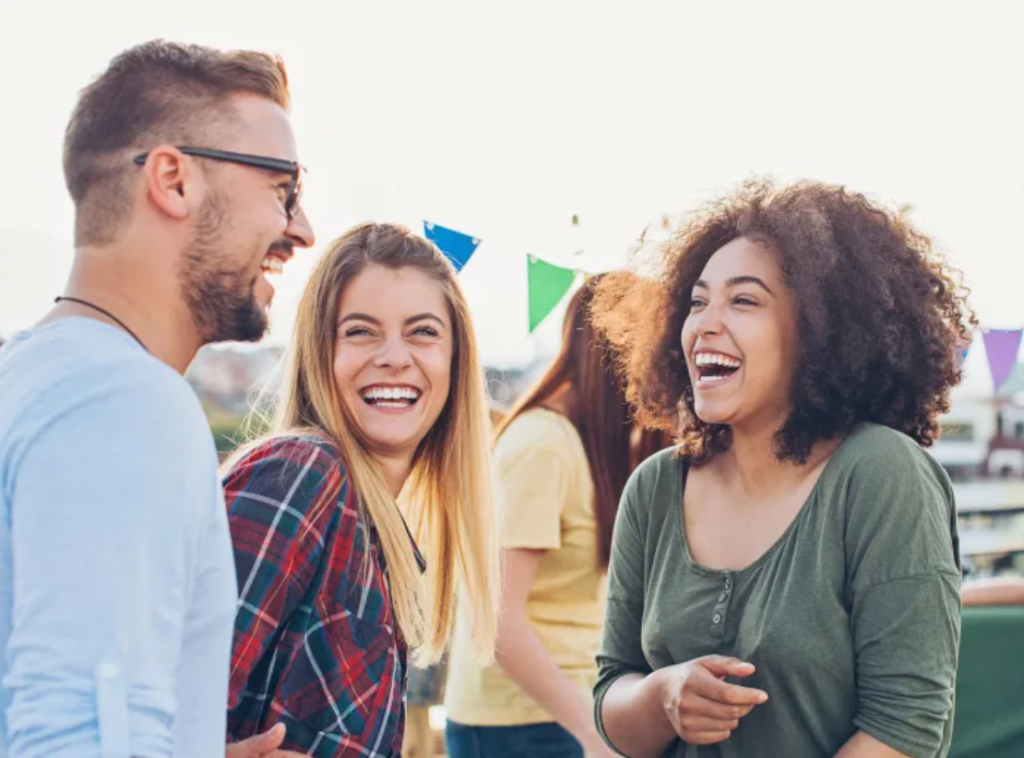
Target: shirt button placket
721 608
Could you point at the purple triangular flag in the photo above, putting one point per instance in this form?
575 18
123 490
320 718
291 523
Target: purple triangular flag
1002 346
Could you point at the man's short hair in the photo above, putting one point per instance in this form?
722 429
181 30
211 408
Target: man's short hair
157 92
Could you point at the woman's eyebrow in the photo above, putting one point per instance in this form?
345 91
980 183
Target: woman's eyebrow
736 281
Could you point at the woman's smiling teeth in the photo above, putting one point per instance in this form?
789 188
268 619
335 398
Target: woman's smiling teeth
391 397
715 367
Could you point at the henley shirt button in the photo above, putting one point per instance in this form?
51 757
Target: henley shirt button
728 582
717 618
722 597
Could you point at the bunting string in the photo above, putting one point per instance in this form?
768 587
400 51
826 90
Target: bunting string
547 285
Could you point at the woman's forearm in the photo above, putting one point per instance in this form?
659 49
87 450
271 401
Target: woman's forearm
633 718
522 656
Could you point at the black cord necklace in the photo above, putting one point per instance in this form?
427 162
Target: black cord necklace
106 313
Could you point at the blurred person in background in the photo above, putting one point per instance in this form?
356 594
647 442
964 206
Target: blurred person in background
563 455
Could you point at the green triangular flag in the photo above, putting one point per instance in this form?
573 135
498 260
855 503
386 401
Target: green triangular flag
547 285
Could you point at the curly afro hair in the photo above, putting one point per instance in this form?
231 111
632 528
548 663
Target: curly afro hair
882 319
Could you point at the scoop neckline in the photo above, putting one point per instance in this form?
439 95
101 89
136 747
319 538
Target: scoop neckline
752 567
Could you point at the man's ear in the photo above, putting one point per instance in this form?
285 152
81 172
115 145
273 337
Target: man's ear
172 183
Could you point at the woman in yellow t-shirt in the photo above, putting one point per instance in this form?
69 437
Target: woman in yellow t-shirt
563 455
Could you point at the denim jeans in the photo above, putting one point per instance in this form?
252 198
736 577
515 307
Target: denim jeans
548 740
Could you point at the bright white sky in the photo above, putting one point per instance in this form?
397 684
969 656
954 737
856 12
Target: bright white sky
504 123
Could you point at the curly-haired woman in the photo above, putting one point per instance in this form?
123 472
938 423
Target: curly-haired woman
786 581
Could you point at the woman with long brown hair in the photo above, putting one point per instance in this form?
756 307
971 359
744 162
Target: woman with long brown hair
563 455
383 395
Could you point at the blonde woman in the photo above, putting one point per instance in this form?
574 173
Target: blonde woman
383 394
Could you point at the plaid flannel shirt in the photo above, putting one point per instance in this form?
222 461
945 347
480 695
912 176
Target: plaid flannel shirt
316 645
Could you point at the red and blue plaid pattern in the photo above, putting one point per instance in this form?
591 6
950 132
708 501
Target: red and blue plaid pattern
316 645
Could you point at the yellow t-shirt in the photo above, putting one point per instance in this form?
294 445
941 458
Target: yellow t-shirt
547 497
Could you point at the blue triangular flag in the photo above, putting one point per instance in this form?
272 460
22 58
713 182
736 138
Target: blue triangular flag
458 247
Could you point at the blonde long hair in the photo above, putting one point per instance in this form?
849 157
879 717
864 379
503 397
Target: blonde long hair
450 487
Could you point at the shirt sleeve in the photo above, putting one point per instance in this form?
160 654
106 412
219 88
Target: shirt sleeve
280 498
534 476
621 650
904 584
310 592
111 504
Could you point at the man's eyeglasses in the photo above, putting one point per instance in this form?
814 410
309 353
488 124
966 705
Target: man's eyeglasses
292 168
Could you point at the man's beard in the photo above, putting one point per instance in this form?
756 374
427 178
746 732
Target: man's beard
221 299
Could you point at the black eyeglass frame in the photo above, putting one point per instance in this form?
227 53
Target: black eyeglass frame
281 166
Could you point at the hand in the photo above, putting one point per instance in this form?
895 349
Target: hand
701 707
262 746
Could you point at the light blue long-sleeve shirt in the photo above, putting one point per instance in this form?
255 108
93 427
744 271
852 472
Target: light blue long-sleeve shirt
117 583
